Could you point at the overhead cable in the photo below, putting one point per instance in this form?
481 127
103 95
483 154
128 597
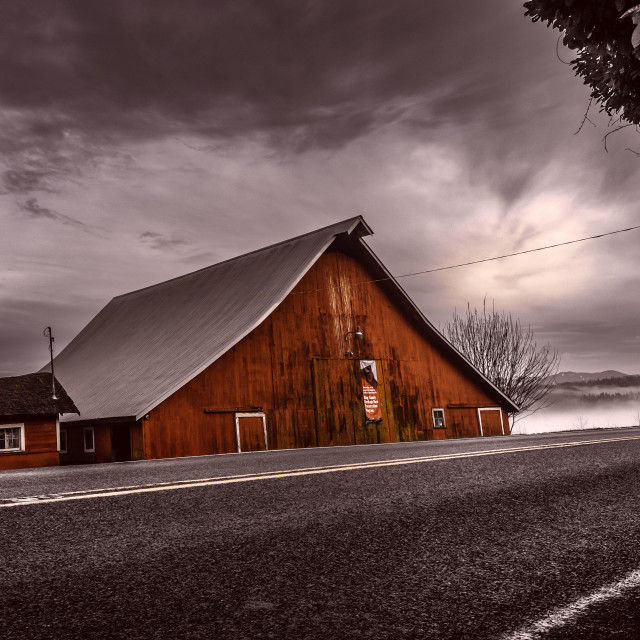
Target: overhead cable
466 264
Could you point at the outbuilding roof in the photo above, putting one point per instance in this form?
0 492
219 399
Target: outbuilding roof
32 394
145 345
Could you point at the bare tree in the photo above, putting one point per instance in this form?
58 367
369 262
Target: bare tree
506 353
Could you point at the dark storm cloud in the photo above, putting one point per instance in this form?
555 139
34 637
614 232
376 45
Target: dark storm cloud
23 346
88 75
614 338
22 180
17 347
159 241
34 210
308 73
37 148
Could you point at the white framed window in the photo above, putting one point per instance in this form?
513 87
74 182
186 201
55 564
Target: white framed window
438 418
88 439
11 437
63 441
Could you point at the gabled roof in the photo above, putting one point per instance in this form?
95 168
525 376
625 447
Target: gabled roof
32 394
145 345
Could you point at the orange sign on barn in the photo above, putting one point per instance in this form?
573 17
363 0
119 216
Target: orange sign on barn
370 390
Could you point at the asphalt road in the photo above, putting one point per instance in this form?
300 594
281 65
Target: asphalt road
531 543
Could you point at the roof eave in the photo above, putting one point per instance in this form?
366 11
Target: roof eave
360 227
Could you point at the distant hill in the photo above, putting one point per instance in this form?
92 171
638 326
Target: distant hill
573 376
584 390
578 399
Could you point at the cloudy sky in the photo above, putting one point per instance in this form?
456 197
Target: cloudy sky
143 140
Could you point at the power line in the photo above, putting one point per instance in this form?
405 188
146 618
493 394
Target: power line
517 253
466 264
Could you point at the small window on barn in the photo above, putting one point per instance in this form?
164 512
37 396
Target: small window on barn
89 444
438 418
63 441
12 438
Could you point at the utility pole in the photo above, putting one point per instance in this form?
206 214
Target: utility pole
47 334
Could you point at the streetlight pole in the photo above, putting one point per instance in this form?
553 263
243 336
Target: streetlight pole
47 334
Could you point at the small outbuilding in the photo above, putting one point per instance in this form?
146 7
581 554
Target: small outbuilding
309 342
30 434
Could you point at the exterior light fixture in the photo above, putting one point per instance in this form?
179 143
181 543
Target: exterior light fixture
357 333
358 336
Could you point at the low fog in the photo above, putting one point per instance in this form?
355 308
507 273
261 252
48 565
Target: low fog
594 418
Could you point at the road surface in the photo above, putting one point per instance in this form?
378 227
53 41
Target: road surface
504 538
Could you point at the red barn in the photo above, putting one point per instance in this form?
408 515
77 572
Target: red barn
29 421
309 342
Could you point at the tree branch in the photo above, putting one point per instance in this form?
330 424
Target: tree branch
586 117
622 126
507 354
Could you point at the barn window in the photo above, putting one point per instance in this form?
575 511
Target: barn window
438 418
63 441
12 437
89 445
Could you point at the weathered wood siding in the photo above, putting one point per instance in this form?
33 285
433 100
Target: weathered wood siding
251 433
491 424
293 367
40 444
75 445
116 442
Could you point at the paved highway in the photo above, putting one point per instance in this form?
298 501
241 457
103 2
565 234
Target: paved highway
504 538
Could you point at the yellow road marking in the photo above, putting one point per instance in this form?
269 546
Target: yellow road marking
287 473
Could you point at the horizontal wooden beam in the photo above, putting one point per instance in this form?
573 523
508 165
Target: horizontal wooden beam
235 410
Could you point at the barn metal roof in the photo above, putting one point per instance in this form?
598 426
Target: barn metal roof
145 345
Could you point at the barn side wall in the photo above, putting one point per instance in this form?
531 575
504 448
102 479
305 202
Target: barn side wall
293 368
40 444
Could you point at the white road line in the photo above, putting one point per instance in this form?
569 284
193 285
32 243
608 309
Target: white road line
565 615
287 473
